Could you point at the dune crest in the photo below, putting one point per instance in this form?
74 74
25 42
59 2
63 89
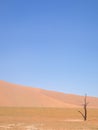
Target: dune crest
13 95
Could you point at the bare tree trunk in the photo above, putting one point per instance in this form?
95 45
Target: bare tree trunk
85 108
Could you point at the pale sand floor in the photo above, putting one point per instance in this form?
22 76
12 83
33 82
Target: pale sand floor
39 126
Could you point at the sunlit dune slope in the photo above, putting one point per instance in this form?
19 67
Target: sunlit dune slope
21 96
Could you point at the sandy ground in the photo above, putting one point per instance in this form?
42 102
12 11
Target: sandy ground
70 124
46 119
18 95
18 126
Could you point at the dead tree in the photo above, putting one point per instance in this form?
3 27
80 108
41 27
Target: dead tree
84 115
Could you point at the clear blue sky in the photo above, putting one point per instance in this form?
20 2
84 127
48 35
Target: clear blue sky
52 44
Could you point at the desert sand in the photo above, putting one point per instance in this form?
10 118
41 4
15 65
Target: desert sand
29 108
15 118
12 95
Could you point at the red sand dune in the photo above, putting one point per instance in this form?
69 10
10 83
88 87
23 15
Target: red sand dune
22 96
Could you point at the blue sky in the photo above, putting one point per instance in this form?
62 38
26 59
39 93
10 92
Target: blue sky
50 44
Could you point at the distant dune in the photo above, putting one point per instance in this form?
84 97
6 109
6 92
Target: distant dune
13 95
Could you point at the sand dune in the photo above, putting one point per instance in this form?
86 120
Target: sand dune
22 96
